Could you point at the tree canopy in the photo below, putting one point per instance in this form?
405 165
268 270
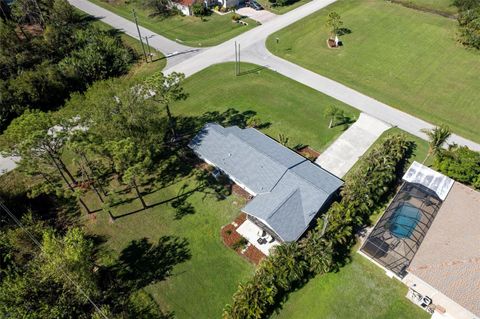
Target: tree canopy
334 22
46 54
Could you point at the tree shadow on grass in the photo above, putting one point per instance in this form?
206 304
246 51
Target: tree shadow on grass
253 70
181 206
343 31
179 162
140 264
143 263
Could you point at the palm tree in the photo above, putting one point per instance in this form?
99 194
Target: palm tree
331 112
437 137
282 139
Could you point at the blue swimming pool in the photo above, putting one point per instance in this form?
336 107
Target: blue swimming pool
404 220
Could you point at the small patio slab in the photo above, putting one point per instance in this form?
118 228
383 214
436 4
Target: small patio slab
250 231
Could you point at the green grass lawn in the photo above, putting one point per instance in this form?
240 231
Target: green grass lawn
358 290
291 108
403 57
192 31
281 10
201 286
444 6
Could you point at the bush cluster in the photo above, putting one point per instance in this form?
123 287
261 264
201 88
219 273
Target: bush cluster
327 246
469 22
459 163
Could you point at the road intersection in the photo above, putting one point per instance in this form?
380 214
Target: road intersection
190 60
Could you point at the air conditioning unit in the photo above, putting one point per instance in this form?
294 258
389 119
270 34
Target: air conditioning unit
426 301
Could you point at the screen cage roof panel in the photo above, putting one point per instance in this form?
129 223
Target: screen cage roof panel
435 181
398 234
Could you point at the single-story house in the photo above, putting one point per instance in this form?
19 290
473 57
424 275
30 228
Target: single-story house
429 238
185 6
288 190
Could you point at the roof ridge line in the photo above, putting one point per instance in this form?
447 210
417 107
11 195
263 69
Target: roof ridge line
261 151
324 191
284 201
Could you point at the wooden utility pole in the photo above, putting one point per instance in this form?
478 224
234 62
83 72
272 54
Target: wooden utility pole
148 47
140 35
237 59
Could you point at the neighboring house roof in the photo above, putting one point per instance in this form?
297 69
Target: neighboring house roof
449 257
290 189
186 3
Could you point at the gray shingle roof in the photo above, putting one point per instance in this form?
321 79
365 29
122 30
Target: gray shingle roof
290 189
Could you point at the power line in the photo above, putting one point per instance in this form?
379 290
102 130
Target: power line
19 223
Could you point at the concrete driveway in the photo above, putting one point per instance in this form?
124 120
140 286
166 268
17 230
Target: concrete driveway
340 157
261 16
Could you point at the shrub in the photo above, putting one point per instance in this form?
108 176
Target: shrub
240 244
159 7
469 22
236 17
199 9
254 122
459 163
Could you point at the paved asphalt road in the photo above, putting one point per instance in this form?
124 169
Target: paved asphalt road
253 50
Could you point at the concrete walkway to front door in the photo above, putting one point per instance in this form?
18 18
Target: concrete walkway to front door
340 157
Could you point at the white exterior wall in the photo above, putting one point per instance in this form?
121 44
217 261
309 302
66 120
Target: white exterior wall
185 10
452 308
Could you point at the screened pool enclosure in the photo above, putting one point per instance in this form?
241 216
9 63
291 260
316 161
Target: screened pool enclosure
398 234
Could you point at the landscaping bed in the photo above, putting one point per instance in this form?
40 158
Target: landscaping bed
232 239
308 152
282 9
237 190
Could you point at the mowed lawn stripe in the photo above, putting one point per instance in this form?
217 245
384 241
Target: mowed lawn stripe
400 56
